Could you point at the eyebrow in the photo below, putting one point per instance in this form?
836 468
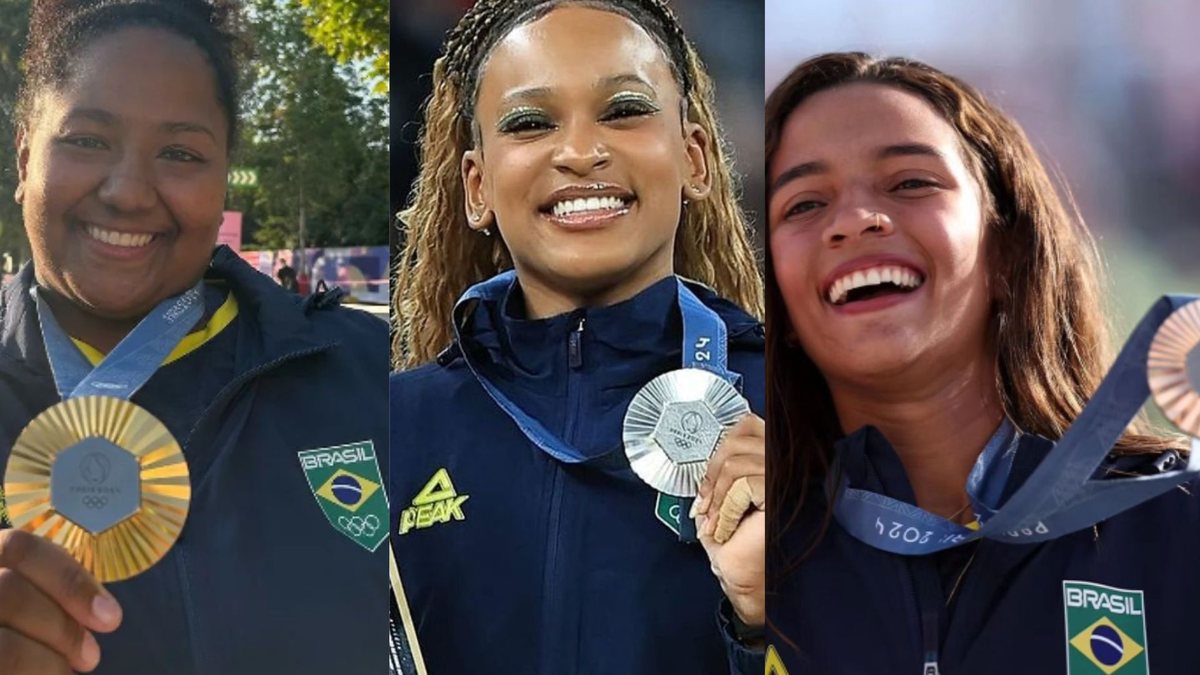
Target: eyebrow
95 114
188 127
816 167
603 83
106 118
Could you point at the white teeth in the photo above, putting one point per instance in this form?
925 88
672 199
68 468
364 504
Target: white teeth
899 276
122 239
569 206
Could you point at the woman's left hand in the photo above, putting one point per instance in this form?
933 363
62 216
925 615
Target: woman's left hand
730 520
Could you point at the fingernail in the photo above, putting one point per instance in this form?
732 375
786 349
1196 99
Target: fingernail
693 511
89 652
106 609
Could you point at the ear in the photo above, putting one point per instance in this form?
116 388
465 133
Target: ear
479 216
699 179
22 145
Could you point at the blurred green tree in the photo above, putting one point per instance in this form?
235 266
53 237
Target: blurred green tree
353 30
14 22
317 137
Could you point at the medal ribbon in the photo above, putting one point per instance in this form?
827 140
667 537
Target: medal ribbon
134 360
705 346
1058 498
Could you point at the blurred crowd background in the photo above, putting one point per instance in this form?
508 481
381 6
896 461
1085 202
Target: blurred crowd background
727 33
1108 91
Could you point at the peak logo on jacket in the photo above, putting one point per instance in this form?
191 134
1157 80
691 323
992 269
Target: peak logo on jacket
436 503
774 664
1106 630
346 482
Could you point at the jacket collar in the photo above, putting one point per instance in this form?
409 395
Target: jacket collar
280 319
647 326
20 335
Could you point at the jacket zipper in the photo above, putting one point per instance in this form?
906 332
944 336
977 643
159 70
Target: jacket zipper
554 649
929 614
575 345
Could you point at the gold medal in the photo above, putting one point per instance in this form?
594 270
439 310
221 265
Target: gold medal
1173 368
102 478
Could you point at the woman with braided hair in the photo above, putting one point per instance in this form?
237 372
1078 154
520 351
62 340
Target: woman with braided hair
127 118
571 167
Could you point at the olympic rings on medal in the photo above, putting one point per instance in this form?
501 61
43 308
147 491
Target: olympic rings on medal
95 502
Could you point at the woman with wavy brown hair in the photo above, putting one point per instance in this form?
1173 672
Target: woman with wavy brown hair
573 175
938 314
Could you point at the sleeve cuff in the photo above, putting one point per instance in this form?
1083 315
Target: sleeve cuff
744 659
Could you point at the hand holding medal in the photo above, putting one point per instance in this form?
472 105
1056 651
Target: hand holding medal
730 519
101 483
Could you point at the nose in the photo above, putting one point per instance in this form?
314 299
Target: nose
129 187
856 224
581 150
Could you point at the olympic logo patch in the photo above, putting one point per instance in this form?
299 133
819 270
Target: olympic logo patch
346 482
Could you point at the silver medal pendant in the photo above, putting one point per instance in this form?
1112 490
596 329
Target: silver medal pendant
673 426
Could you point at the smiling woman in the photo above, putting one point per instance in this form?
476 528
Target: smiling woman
162 378
122 178
571 168
937 331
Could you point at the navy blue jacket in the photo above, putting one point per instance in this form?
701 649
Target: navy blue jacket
993 608
259 582
533 566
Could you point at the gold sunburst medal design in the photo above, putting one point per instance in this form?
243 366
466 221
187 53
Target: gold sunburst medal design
104 479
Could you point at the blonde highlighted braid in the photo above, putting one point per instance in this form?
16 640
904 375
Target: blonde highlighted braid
442 257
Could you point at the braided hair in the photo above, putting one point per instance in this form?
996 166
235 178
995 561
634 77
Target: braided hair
441 258
60 31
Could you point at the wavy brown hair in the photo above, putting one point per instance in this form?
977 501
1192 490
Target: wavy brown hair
442 257
1048 319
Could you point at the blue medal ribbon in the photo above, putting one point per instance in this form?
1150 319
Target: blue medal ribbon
1058 498
705 345
134 360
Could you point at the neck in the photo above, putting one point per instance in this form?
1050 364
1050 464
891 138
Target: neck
103 333
938 424
544 299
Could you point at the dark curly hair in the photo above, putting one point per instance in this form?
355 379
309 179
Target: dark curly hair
60 30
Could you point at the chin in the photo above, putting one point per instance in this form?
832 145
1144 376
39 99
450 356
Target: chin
113 303
868 360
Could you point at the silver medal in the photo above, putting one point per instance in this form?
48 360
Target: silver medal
673 425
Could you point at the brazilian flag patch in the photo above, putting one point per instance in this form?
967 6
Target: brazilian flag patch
346 483
1106 630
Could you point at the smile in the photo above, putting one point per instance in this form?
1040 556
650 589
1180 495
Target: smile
872 282
588 206
121 239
